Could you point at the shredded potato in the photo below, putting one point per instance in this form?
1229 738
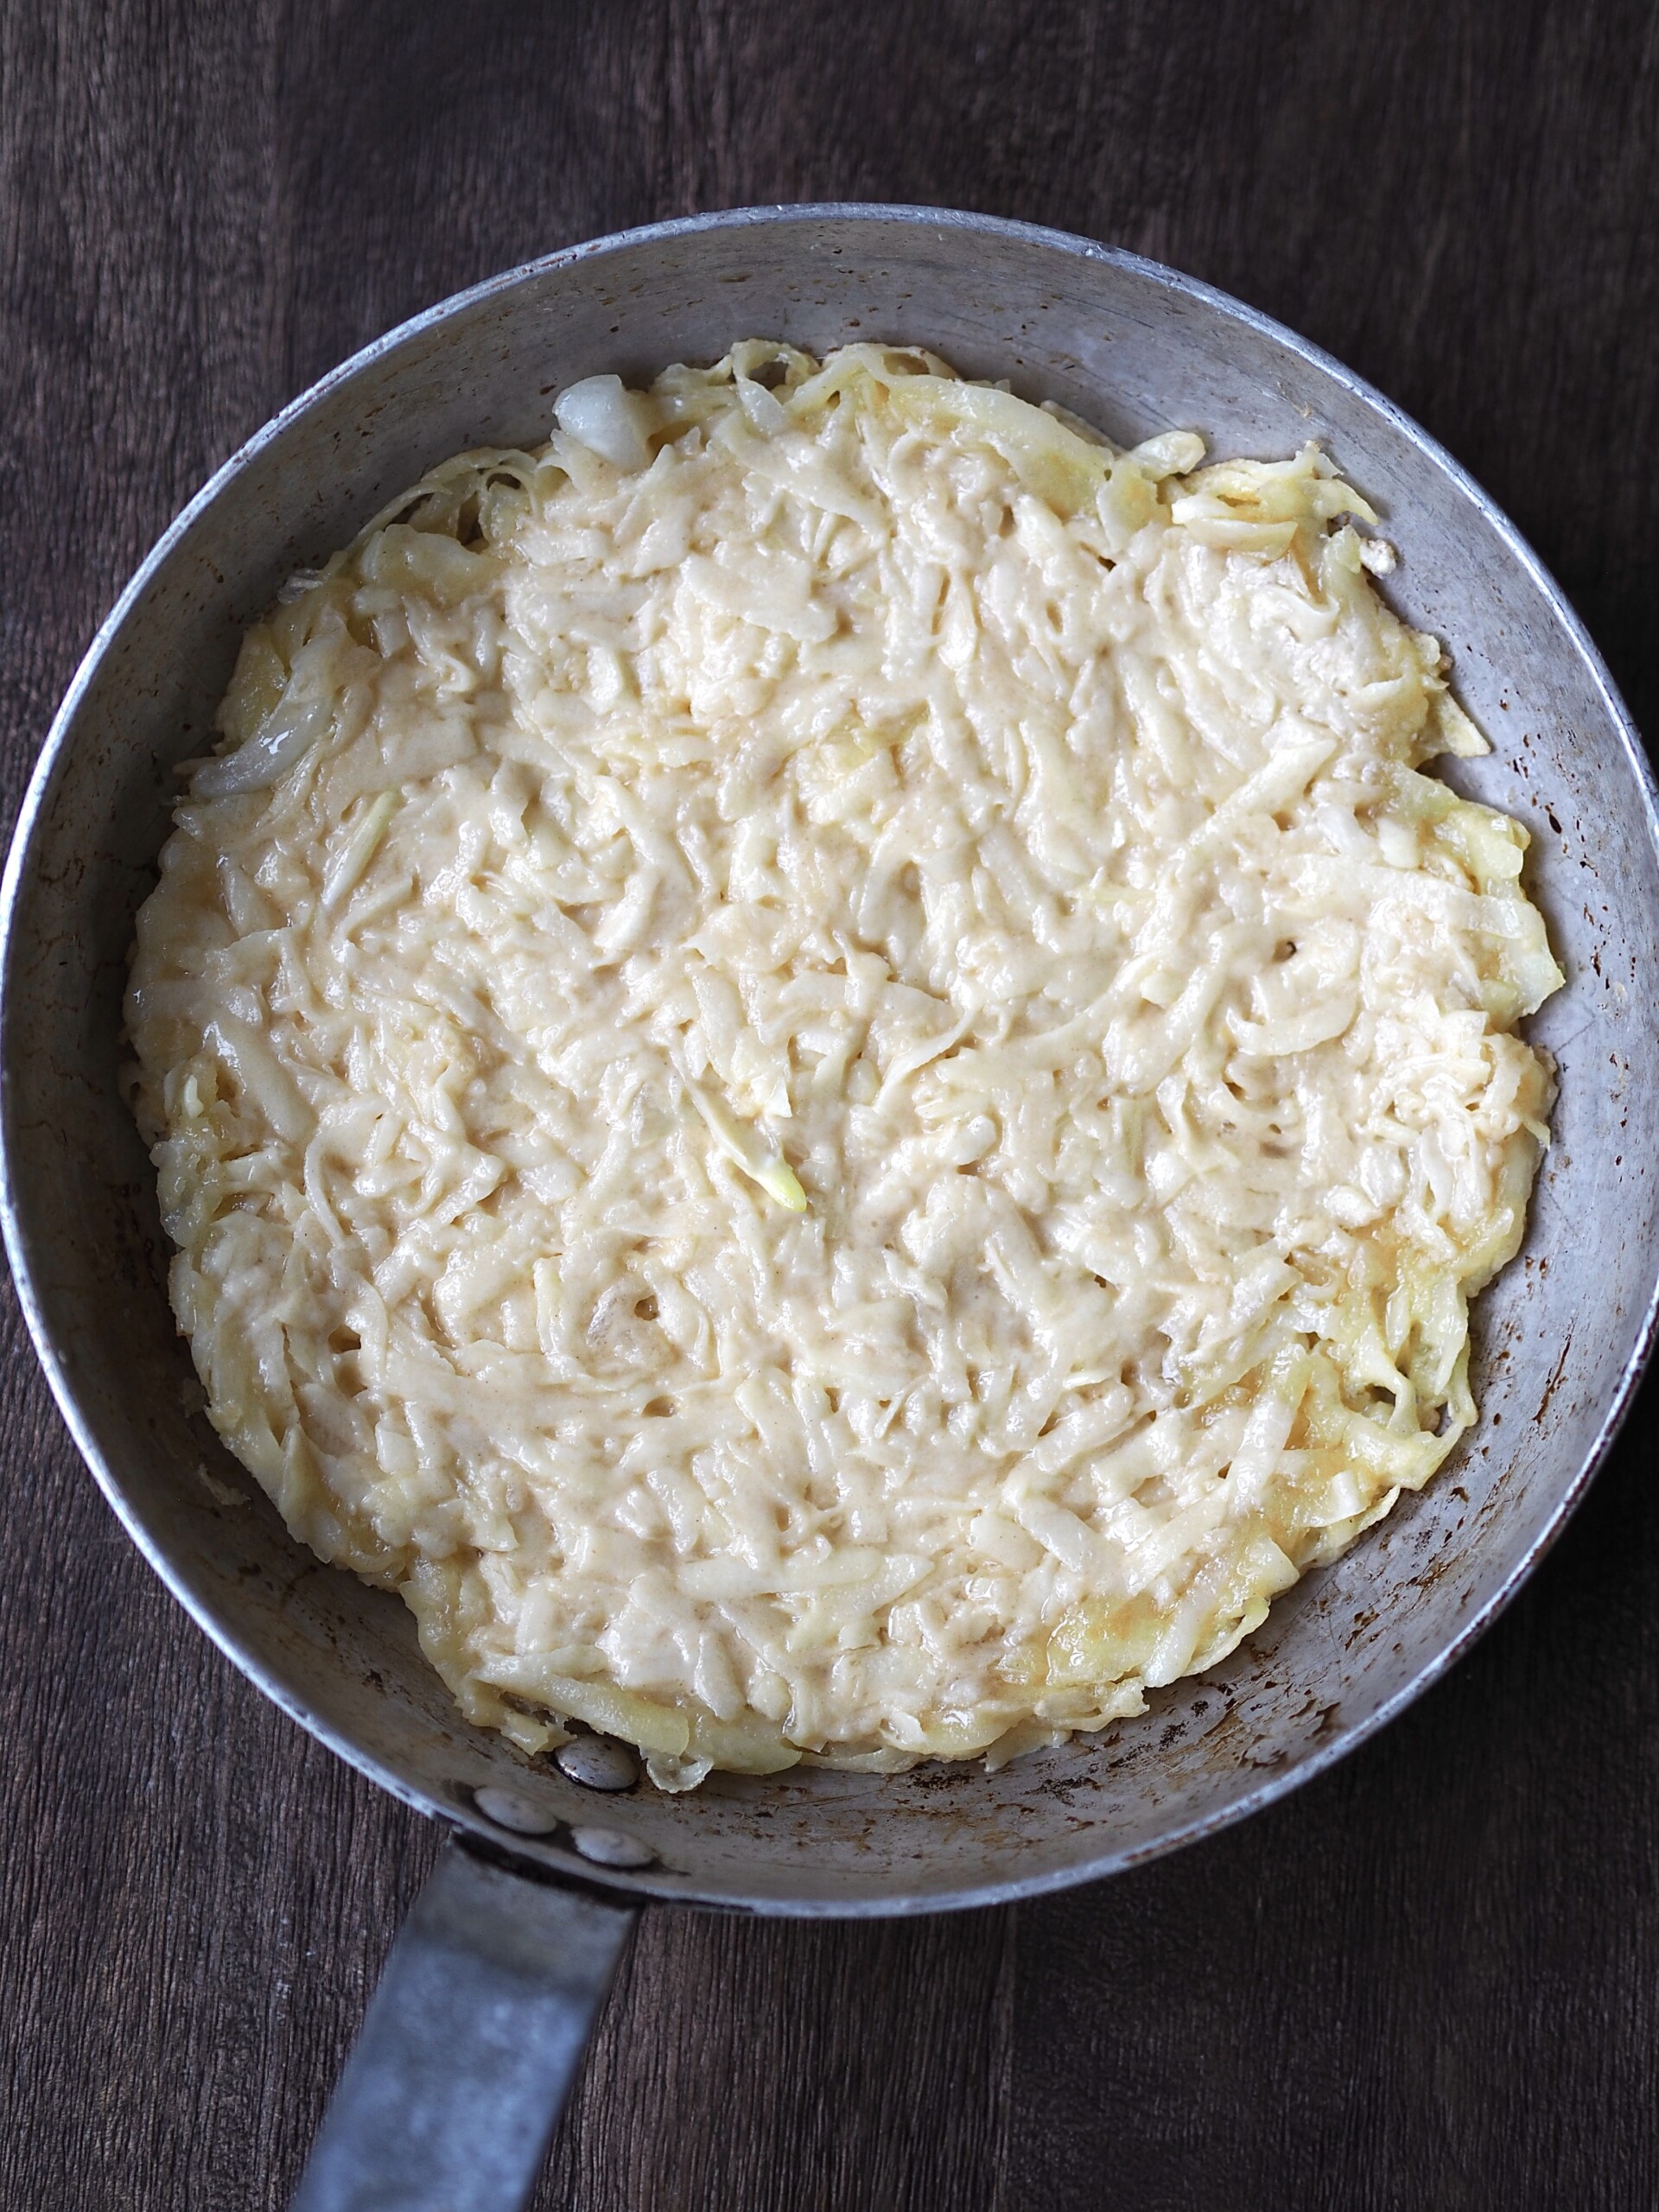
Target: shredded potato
823 1069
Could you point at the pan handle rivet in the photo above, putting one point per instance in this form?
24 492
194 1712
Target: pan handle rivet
599 1763
610 1847
509 1810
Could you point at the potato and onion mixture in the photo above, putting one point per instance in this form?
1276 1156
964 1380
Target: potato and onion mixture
822 1068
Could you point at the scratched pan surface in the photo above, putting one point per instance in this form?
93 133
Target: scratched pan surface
1136 348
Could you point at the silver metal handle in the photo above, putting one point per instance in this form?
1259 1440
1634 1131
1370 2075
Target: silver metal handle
448 2101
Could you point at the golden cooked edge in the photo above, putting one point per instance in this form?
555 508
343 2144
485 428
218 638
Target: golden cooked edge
822 1069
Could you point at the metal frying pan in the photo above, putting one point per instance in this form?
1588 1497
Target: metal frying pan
451 2095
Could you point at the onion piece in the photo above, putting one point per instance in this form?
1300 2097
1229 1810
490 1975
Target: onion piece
769 1169
359 850
766 411
601 414
288 732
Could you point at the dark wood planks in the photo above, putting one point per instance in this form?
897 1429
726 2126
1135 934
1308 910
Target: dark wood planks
792 2066
1429 1981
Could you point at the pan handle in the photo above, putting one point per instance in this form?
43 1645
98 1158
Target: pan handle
448 2101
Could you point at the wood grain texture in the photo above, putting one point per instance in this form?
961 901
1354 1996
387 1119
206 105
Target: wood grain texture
1431 1979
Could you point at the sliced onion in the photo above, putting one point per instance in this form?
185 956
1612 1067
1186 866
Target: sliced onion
766 411
745 1150
288 732
599 413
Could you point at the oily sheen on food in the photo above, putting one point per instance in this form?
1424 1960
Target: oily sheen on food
823 1068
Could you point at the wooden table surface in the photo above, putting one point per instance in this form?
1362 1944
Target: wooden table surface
1432 1978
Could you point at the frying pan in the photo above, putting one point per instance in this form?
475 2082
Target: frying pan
451 2094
